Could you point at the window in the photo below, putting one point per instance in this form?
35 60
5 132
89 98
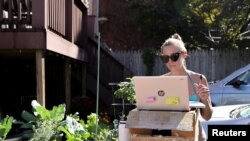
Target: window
243 79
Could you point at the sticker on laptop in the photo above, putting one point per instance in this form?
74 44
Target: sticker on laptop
172 100
150 99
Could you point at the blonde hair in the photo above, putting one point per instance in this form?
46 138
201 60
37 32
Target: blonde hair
175 40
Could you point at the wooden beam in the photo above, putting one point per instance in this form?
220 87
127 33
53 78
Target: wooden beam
40 77
57 44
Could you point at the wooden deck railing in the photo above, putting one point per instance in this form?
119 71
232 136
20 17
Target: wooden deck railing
15 14
56 16
64 17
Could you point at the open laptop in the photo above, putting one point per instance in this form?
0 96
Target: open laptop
163 93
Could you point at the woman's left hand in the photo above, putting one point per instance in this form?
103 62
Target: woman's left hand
203 92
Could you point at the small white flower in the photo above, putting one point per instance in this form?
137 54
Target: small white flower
34 103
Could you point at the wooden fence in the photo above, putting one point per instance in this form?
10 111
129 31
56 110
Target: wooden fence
214 64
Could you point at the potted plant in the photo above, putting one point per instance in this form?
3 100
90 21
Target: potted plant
126 91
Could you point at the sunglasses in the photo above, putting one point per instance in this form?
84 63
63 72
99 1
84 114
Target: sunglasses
174 57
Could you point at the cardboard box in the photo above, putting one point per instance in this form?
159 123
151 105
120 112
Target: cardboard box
158 138
182 125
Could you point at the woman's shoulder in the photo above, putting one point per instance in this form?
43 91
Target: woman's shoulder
196 75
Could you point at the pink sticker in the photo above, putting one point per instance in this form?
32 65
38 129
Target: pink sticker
150 99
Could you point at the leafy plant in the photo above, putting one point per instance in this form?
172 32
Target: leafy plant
103 133
74 128
77 130
51 125
126 91
46 131
5 126
44 123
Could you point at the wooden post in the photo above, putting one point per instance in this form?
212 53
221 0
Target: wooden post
40 77
67 84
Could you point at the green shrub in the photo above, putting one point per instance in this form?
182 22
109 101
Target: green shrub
43 123
51 125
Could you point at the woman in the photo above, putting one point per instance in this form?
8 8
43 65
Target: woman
173 55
